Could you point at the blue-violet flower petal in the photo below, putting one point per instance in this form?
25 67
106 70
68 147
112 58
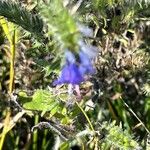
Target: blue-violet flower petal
70 74
86 66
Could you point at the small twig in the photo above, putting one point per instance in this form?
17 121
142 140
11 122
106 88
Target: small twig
13 98
13 120
87 118
47 125
136 117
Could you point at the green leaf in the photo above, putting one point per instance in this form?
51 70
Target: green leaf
23 97
42 100
55 110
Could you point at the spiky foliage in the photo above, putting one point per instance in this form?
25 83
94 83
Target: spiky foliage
109 136
22 17
115 138
61 25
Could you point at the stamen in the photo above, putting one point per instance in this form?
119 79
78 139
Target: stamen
77 89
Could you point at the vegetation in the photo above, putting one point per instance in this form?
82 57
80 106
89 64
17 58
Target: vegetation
75 74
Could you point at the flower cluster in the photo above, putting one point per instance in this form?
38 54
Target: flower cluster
74 72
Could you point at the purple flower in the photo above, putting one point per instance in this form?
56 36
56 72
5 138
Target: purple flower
86 66
70 74
74 72
70 57
90 50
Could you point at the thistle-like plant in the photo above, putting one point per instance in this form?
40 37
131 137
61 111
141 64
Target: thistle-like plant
19 15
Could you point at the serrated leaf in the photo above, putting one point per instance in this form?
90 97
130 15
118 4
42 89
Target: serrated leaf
42 100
